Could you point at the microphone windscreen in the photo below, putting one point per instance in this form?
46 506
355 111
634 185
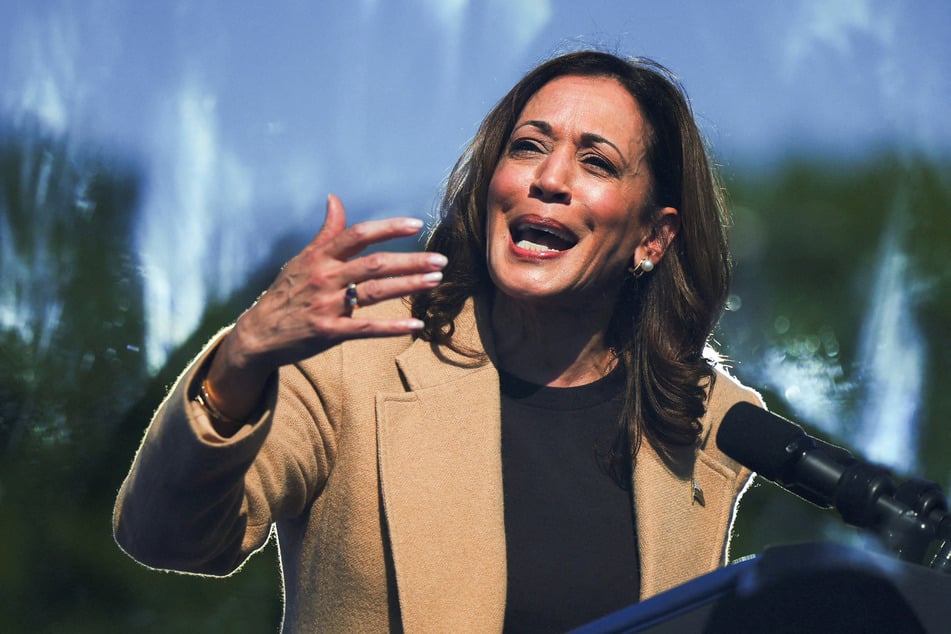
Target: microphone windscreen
758 439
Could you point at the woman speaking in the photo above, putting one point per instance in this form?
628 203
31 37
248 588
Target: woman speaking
512 430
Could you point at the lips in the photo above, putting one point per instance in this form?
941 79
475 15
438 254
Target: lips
542 235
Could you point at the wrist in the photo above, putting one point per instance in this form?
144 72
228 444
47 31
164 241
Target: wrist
231 390
210 403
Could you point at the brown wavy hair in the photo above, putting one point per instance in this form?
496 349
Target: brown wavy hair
662 320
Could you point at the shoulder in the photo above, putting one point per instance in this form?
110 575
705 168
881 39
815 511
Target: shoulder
393 364
724 392
336 378
368 353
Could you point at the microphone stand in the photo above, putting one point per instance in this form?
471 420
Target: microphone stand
907 519
928 500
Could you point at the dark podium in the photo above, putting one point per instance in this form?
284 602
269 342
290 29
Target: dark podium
822 587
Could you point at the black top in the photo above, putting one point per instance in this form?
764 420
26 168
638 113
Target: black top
569 526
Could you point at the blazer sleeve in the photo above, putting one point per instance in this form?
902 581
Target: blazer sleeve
197 502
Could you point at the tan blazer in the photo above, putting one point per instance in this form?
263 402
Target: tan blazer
380 463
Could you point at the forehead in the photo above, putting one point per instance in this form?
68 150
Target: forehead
599 105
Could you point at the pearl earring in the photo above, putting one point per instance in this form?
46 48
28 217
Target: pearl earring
644 266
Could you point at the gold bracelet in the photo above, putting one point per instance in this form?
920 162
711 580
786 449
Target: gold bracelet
207 403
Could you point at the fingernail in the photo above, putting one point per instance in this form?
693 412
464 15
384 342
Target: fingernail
415 324
435 276
413 223
438 259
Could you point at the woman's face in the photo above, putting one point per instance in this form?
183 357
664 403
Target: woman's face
565 201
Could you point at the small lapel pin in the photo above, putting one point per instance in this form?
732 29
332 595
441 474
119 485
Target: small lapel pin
697 493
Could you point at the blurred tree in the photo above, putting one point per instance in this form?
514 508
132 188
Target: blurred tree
70 296
71 328
810 240
71 373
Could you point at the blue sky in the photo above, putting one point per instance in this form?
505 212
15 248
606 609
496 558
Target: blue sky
764 76
243 115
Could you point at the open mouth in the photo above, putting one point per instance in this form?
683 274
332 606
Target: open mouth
542 237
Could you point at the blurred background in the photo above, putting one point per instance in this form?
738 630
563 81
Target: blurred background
159 161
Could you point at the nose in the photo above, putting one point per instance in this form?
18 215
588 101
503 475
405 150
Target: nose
552 179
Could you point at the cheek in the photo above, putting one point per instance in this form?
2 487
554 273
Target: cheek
624 210
506 183
498 200
492 195
622 232
492 204
494 223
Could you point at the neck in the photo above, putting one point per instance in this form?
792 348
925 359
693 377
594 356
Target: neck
551 345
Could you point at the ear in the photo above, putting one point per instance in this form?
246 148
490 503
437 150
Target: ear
659 237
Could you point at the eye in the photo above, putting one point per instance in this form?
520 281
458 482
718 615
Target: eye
524 146
599 163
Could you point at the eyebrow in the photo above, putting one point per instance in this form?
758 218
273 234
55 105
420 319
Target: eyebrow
588 138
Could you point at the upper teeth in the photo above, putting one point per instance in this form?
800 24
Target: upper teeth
531 246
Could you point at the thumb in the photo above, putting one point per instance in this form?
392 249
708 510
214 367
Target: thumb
334 222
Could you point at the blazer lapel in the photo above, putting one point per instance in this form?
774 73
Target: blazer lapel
683 513
439 451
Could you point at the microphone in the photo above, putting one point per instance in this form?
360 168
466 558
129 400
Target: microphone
821 473
782 452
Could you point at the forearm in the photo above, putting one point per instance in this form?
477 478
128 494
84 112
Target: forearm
200 502
185 502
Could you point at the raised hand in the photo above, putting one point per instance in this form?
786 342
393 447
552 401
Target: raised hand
306 309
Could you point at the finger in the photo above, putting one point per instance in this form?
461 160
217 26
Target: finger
375 291
349 243
321 333
335 221
385 264
356 328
